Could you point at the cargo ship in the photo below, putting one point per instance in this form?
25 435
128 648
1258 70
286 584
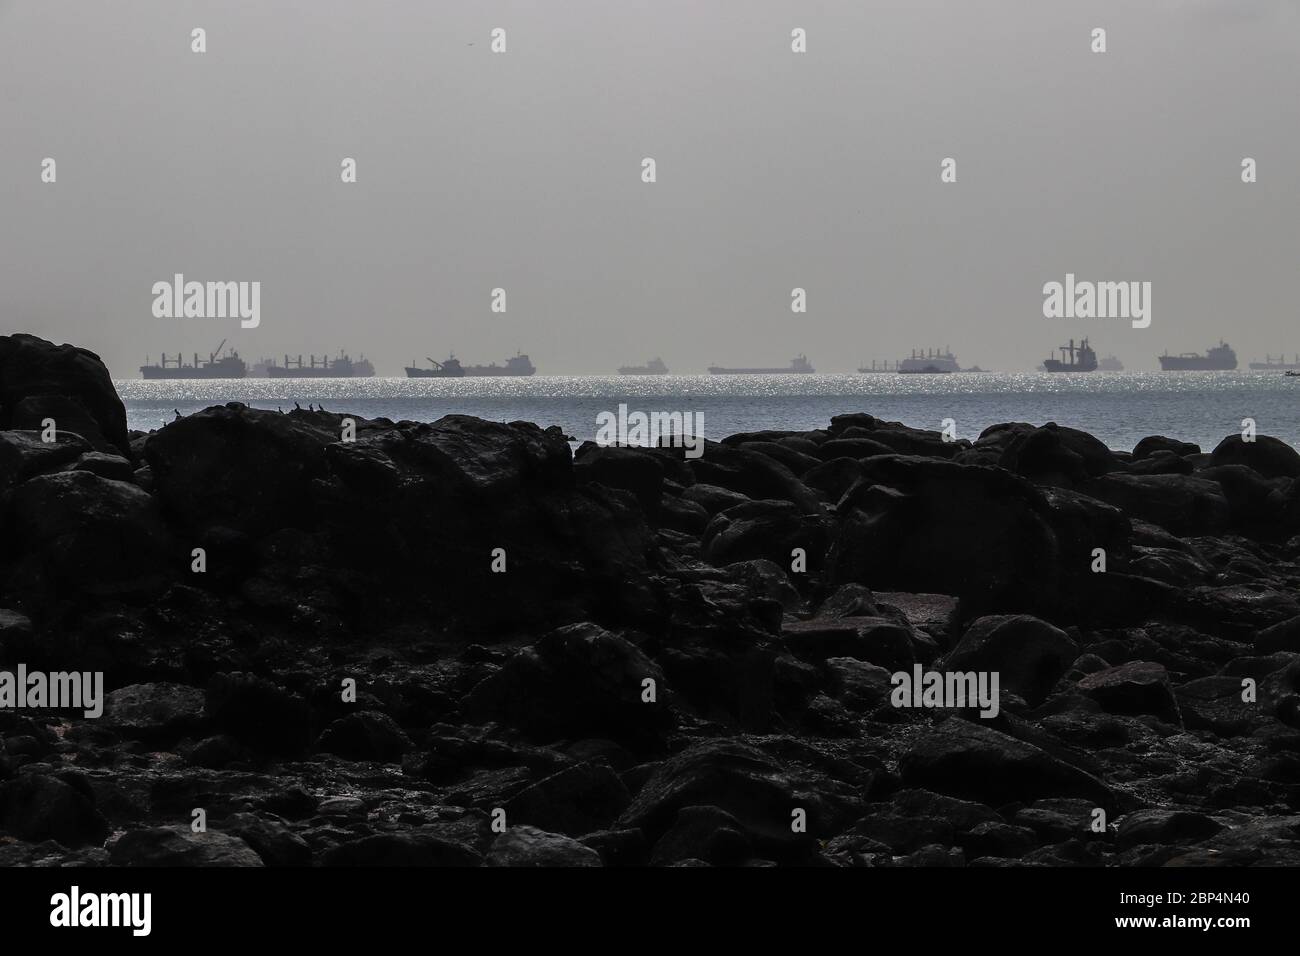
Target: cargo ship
215 366
932 362
1221 358
1110 364
1279 365
878 367
1073 358
797 366
341 367
451 368
655 366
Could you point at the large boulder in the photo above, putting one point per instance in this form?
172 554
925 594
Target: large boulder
1270 457
972 760
1029 655
975 532
1181 504
39 379
77 531
578 681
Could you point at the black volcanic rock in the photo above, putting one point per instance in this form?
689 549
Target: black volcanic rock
1029 655
1269 457
979 533
574 682
69 384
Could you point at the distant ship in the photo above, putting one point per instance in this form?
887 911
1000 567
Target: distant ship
261 368
797 366
1080 359
216 366
932 362
341 367
451 368
883 366
1221 358
1110 364
655 366
1280 365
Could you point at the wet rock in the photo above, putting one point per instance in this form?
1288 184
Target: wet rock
530 847
156 713
365 736
1266 456
1180 504
577 800
764 530
712 498
970 760
704 833
873 639
274 842
1165 826
179 846
753 475
577 681
1029 654
38 378
99 537
38 807
1140 687
23 455
749 785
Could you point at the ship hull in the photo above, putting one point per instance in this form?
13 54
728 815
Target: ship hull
479 371
1273 367
431 373
187 373
1179 363
639 371
1055 365
714 370
279 372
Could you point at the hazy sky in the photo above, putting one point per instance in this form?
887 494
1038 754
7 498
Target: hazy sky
775 170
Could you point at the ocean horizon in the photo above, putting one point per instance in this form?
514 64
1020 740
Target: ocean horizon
1119 408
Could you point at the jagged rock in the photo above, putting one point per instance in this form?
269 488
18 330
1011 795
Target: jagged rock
1029 655
704 833
712 498
23 455
78 531
38 807
754 475
1154 443
258 713
766 578
876 640
274 842
1180 504
1165 826
577 800
1140 687
528 846
745 783
577 681
974 532
156 712
179 846
766 530
366 735
970 760
70 384
1266 456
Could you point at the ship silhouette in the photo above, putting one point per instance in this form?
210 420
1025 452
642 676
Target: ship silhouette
1081 358
655 366
798 366
452 368
1221 358
215 366
341 367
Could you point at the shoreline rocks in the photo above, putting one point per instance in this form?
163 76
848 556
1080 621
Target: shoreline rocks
456 644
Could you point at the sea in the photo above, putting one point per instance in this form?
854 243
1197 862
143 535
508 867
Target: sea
1120 408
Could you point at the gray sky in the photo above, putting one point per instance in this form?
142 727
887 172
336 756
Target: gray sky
775 170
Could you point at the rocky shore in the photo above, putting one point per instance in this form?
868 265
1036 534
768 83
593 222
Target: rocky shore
460 644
